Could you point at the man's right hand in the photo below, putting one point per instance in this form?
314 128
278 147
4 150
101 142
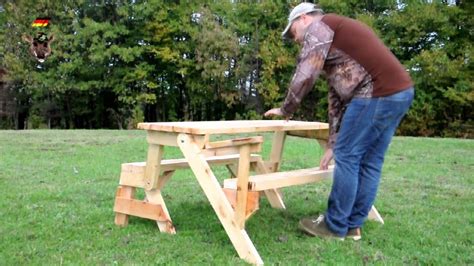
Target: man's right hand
273 112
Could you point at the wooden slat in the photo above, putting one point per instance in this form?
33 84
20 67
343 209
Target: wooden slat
139 208
229 150
162 138
311 134
133 174
232 127
284 179
234 142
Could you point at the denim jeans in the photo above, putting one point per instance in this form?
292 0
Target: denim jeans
365 134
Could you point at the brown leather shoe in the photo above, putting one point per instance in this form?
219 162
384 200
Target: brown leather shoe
317 227
354 234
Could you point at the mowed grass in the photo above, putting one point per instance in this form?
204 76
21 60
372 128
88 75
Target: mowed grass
58 188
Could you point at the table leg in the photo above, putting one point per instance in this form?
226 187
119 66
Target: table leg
242 185
273 195
121 219
277 150
153 162
218 200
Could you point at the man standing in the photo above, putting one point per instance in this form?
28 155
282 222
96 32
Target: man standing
370 92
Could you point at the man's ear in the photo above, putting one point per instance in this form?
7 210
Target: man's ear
51 38
27 38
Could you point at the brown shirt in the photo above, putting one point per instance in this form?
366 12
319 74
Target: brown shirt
356 64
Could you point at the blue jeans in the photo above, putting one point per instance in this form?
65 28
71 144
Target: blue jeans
365 133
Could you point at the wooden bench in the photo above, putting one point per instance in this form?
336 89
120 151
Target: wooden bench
133 174
233 152
277 180
283 179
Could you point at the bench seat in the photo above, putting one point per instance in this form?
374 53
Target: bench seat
283 179
133 174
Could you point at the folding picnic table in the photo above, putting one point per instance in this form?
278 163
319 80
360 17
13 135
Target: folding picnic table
238 199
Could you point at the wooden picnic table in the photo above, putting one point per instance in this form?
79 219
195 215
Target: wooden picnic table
238 198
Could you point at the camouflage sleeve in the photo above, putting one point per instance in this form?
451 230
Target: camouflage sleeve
317 41
335 112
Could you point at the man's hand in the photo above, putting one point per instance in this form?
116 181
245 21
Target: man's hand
327 157
273 112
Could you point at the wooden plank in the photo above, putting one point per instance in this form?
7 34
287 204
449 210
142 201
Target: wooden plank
126 192
322 133
154 196
153 163
277 150
242 185
217 198
133 174
234 142
284 179
139 208
229 150
231 127
253 198
162 138
169 138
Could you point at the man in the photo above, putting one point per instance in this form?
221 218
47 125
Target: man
369 93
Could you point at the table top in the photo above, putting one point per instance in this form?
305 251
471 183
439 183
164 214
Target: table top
231 127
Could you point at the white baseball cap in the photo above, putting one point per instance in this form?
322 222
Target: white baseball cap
303 8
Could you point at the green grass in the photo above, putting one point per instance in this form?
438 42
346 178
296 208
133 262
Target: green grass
58 188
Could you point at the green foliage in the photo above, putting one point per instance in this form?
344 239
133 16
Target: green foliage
213 60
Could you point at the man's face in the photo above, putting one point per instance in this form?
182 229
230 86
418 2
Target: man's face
298 29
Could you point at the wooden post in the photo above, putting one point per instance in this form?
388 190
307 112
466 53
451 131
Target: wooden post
153 162
242 185
277 150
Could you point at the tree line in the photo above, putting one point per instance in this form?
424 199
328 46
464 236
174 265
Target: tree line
116 63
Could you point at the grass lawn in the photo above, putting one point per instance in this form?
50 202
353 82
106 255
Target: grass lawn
58 188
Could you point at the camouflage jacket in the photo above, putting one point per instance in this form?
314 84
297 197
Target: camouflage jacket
346 78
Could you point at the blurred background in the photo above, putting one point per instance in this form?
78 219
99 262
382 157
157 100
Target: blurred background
117 63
